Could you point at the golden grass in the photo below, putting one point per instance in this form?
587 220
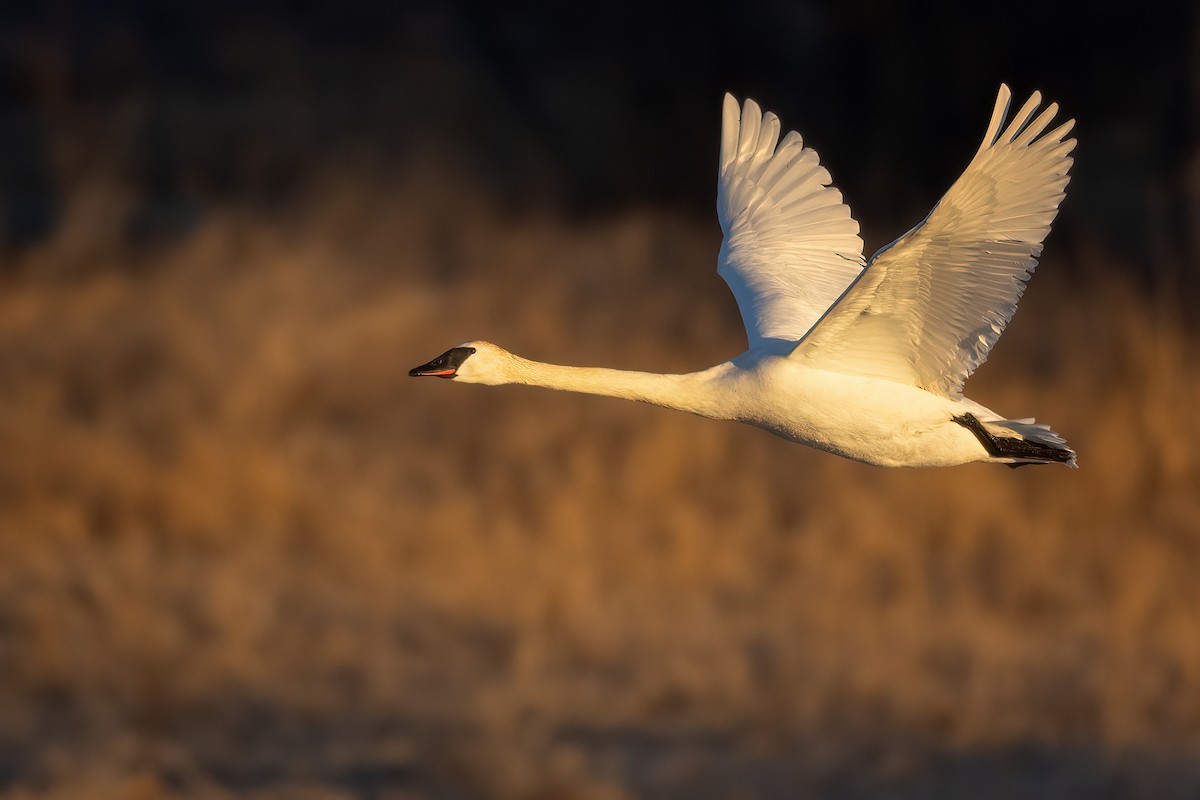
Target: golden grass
241 552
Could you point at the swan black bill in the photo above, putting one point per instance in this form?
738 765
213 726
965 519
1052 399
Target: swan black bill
444 366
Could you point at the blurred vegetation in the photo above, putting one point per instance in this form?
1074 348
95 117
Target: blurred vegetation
242 554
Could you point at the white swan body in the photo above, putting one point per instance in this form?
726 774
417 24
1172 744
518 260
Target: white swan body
862 359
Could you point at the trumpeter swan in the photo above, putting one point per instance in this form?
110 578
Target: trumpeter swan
863 359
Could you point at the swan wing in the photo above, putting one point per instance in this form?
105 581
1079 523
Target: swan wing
791 247
929 307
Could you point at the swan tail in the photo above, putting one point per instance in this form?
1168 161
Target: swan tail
1017 442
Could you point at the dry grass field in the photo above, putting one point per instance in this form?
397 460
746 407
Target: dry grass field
242 554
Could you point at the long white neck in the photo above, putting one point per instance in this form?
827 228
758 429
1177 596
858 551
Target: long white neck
695 392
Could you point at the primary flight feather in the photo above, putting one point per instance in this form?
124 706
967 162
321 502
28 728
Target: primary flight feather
863 359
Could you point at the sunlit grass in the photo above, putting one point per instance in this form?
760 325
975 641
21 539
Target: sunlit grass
236 540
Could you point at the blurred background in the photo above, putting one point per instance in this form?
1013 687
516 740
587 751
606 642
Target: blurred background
243 555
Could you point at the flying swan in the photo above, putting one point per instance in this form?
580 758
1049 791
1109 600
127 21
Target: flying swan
866 360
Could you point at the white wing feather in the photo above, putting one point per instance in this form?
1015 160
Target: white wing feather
791 247
929 307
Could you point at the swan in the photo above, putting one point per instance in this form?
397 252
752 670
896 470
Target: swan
863 359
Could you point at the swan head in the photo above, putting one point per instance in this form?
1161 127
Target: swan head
470 362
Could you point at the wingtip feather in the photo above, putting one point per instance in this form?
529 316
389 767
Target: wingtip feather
751 125
730 126
767 136
999 112
1021 119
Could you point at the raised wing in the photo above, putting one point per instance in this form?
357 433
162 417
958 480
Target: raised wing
791 247
930 306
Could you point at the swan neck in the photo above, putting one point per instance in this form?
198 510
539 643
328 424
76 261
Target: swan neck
690 392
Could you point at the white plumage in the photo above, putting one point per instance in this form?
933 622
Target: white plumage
791 247
863 359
